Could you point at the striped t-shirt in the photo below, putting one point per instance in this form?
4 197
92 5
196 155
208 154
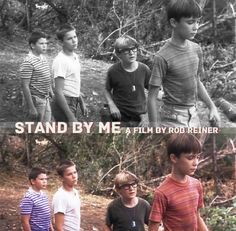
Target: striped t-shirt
176 204
177 70
37 70
36 205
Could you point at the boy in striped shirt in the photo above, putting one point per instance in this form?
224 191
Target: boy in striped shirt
178 199
177 68
34 207
36 79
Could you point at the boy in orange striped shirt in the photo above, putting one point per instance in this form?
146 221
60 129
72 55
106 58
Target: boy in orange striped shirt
178 199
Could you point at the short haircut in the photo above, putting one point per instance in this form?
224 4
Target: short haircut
35 172
124 42
35 36
177 9
124 177
63 166
63 30
183 143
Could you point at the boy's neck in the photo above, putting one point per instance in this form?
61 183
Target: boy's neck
130 67
177 176
68 52
68 187
178 41
35 53
130 202
35 189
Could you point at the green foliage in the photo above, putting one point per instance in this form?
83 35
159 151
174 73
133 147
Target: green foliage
220 218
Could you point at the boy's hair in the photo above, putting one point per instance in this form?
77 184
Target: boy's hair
124 177
35 36
183 143
124 42
34 172
177 9
63 30
63 166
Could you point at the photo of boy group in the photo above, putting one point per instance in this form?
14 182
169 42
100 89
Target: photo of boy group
53 93
176 180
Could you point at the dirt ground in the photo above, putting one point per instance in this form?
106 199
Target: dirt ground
12 190
92 74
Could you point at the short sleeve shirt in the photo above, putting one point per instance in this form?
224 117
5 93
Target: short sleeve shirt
36 69
68 67
177 69
36 205
122 218
177 204
68 203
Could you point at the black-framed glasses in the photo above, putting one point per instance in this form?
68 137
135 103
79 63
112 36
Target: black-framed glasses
129 185
129 50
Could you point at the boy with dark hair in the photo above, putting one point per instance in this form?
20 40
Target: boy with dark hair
66 201
125 85
178 67
128 212
178 199
66 71
34 207
36 79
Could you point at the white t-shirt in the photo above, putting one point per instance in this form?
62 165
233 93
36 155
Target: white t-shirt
68 67
68 203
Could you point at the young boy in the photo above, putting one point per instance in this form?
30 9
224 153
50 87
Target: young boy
66 201
36 79
125 84
66 71
128 212
178 199
34 207
178 67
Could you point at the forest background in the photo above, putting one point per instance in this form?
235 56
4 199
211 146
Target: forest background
100 156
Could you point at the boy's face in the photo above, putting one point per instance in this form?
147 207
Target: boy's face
186 163
128 55
128 191
70 41
40 182
70 176
40 47
186 28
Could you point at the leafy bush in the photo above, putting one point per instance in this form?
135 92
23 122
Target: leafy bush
220 218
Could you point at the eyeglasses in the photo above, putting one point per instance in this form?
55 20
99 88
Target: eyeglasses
128 50
128 186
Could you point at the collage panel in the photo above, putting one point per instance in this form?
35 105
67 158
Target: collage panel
118 180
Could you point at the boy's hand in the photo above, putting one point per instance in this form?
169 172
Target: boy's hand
33 114
144 120
214 117
115 112
84 110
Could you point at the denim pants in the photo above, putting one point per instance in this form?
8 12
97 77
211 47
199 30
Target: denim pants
177 116
43 108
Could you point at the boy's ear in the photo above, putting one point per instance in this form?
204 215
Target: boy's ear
173 22
173 158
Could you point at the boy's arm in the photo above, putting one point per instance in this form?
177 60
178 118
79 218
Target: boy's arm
83 107
201 224
61 100
59 221
107 228
115 112
203 95
153 226
25 222
28 97
153 114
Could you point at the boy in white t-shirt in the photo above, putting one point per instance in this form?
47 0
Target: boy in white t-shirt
66 71
66 201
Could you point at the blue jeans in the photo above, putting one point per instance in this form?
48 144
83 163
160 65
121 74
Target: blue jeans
177 116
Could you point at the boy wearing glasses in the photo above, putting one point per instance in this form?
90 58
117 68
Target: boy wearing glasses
125 85
178 199
178 67
128 212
